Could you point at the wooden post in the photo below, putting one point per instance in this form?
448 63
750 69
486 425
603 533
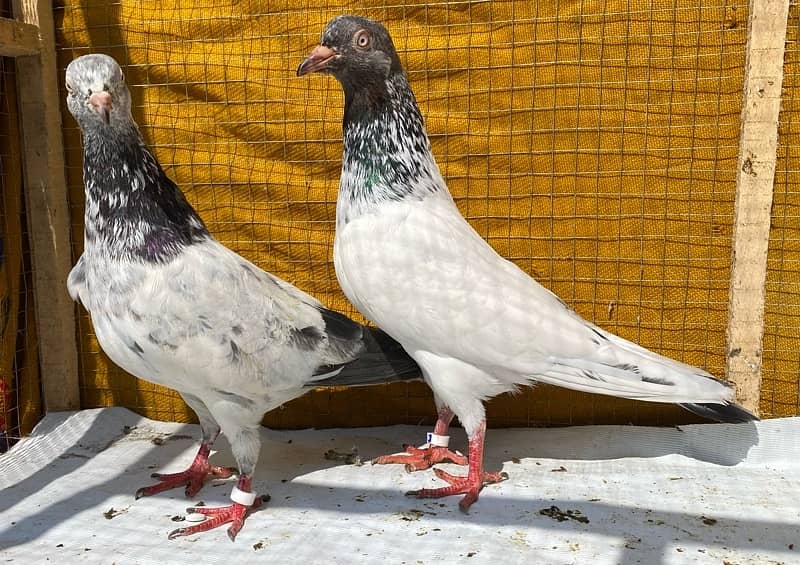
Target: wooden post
47 209
17 38
758 143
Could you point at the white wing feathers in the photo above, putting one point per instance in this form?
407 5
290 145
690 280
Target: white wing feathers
456 297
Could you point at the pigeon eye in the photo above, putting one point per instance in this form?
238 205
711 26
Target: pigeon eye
362 39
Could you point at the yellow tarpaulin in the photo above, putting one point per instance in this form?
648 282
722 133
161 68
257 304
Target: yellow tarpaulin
594 145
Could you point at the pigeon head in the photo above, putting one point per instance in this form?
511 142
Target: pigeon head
97 96
357 51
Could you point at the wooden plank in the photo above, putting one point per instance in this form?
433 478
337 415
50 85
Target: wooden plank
48 210
17 38
758 144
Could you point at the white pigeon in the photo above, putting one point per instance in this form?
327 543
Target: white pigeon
172 305
477 324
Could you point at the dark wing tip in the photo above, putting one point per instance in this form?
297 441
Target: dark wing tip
726 413
339 326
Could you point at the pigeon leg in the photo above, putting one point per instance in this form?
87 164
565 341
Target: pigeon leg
244 501
424 457
470 485
192 477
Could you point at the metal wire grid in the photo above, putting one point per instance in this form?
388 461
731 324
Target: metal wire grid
20 405
593 145
780 390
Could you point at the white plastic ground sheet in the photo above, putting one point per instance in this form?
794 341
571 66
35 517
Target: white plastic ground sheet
724 494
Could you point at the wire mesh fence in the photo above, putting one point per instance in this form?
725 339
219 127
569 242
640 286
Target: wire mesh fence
20 406
780 395
594 144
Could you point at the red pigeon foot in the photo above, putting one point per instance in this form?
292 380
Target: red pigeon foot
419 458
244 501
470 485
192 477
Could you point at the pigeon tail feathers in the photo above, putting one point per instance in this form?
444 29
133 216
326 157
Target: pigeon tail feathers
726 413
383 360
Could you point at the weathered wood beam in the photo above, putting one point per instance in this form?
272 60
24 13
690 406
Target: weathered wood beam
758 144
47 209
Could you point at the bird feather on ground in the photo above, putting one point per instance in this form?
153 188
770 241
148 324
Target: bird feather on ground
173 306
477 324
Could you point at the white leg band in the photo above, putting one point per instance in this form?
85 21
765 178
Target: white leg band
195 517
242 497
437 440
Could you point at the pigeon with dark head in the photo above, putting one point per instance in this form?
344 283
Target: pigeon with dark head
477 324
173 306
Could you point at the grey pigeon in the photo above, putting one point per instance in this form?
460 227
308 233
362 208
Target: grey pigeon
476 323
173 306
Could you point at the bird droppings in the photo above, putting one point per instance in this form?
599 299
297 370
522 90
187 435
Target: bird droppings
515 460
561 469
414 514
257 546
75 455
747 167
349 458
178 518
629 542
472 553
157 441
556 513
708 521
128 429
113 513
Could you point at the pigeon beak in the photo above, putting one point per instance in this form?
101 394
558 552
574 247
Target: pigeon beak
100 103
317 61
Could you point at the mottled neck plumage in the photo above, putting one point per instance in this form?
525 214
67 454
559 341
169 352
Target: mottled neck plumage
387 155
133 211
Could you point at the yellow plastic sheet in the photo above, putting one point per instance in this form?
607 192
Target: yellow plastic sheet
593 144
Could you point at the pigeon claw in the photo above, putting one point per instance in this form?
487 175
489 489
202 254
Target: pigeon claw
420 458
193 478
470 486
215 517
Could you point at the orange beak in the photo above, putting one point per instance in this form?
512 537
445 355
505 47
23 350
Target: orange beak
317 61
100 103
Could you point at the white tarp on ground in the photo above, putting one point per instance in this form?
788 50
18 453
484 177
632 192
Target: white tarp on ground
698 494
